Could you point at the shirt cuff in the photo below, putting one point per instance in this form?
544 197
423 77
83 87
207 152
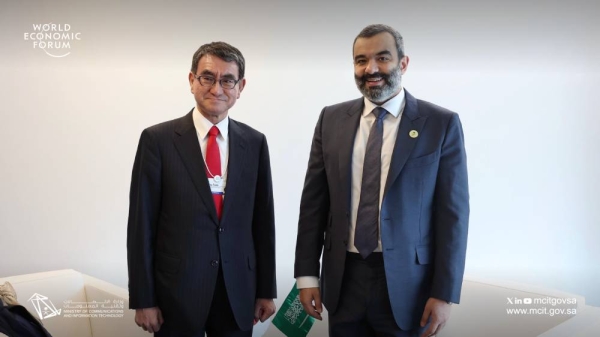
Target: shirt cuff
307 282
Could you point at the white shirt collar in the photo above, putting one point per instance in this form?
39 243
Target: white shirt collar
394 106
203 125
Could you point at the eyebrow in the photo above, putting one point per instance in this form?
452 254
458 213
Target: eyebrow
207 72
226 76
383 52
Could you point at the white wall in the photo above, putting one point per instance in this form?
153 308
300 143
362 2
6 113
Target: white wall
524 79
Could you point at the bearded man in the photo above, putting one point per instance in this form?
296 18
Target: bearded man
386 200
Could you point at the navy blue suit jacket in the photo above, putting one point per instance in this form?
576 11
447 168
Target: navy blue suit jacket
176 243
424 212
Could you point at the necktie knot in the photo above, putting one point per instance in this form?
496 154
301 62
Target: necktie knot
379 112
214 131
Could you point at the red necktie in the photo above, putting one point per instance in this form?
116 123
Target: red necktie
213 164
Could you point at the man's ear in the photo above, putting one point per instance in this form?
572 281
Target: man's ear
191 78
241 85
404 64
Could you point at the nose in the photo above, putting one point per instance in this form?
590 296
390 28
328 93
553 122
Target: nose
216 89
372 67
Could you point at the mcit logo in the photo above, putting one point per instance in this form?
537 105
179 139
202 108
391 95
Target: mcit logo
54 39
43 306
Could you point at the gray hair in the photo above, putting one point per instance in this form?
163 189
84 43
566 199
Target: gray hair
222 50
372 30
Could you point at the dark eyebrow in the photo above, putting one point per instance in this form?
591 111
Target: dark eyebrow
210 73
383 52
207 72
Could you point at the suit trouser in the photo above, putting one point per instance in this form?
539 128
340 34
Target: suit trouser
220 321
364 308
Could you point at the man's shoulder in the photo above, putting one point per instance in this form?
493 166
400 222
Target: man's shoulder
169 126
434 110
345 106
245 129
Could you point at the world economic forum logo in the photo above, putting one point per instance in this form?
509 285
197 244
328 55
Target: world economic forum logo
56 40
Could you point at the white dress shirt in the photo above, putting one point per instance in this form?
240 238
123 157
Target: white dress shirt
202 126
391 123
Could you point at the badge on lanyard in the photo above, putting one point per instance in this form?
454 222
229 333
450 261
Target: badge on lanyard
217 185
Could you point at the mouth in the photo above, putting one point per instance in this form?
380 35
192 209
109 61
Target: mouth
375 81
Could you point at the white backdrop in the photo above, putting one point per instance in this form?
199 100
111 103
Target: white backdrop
524 79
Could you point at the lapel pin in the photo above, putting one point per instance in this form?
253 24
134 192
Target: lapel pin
413 134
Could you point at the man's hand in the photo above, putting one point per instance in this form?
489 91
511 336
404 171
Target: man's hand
263 309
439 312
149 319
311 301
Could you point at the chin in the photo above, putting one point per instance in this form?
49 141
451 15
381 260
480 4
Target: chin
216 113
216 108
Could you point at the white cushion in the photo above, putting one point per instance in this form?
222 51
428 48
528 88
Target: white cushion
62 286
58 286
100 291
483 310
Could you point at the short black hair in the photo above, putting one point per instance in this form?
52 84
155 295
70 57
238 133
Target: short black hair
372 30
222 50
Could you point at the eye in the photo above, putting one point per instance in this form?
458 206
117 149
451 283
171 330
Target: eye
229 81
384 59
360 62
208 78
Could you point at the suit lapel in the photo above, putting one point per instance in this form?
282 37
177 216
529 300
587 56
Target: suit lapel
411 120
186 142
346 132
235 166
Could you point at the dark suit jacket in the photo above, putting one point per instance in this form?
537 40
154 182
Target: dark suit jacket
15 320
424 213
175 242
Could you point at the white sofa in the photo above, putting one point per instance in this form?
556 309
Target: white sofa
484 305
483 313
66 289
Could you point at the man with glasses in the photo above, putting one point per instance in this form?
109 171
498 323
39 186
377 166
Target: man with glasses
201 232
386 201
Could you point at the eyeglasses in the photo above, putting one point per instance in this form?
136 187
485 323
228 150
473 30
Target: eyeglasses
209 81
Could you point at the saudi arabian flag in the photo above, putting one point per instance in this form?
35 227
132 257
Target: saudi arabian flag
291 318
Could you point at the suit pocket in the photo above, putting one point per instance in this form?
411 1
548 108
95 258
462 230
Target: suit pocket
422 161
167 264
251 262
424 254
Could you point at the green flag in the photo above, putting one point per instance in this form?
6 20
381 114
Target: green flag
291 318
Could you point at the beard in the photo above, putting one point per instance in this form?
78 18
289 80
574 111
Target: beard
380 94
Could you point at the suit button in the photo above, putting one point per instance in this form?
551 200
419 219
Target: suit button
221 229
214 263
345 242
